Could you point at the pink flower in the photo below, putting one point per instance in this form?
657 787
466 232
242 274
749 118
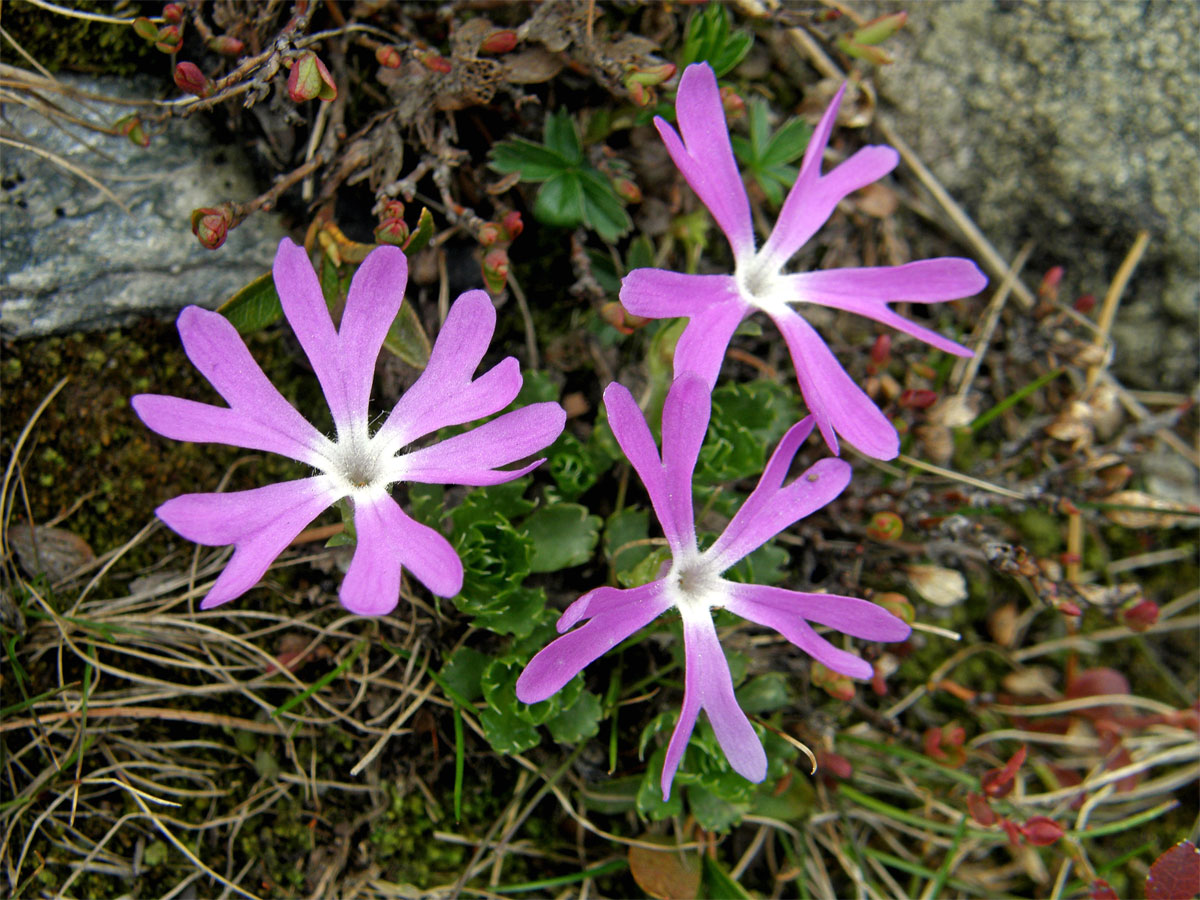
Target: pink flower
354 464
693 583
716 304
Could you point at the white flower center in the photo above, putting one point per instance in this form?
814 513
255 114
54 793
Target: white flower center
695 585
761 283
359 464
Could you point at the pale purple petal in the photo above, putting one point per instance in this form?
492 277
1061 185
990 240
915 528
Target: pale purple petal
793 627
304 305
615 615
686 412
633 435
813 197
260 523
444 394
768 511
659 294
472 457
867 291
836 402
705 156
708 685
386 539
849 615
701 347
376 292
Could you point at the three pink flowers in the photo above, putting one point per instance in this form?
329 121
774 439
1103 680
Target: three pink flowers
360 466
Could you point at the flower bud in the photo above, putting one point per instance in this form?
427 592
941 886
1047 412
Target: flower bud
495 270
1139 615
392 209
1041 831
1048 289
169 39
946 744
173 13
145 29
627 190
499 42
619 318
435 62
835 764
1085 303
388 56
512 224
309 78
732 102
917 399
980 811
489 233
190 80
211 225
999 782
880 29
131 127
226 45
1101 890
640 94
862 51
885 526
391 231
897 604
881 349
835 684
649 76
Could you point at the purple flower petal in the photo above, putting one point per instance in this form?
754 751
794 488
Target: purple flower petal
793 627
659 294
260 523
849 615
705 156
615 615
387 539
444 394
866 292
701 348
814 196
686 412
304 305
374 299
767 511
633 435
836 402
709 685
472 457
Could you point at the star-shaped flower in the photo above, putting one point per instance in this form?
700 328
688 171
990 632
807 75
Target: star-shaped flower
716 304
354 463
693 583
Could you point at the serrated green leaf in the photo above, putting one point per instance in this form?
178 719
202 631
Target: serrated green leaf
406 338
507 733
505 500
713 812
766 693
563 535
646 570
254 307
516 613
708 40
649 796
426 503
534 162
560 201
602 209
571 465
562 137
464 670
578 722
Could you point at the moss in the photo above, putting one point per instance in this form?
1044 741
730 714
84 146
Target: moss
66 42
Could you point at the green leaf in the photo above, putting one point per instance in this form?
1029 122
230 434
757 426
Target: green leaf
504 500
640 254
507 732
407 339
716 882
714 813
578 722
515 613
571 465
463 671
254 307
622 527
602 209
788 143
495 559
420 236
708 40
562 137
560 201
426 503
766 693
768 564
646 570
649 796
534 162
563 535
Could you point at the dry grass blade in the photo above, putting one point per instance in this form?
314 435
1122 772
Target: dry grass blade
70 167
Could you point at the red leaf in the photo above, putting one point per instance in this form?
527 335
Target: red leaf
1176 874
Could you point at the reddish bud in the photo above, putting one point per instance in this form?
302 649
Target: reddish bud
1139 615
1085 303
435 62
495 270
827 15
512 224
392 209
131 127
897 604
733 104
999 782
169 39
615 315
1014 833
835 764
917 399
391 231
640 94
309 78
946 744
980 811
173 13
489 233
649 76
1042 831
1048 289
835 684
145 29
1102 890
190 80
881 349
211 225
627 190
885 526
388 56
499 42
226 45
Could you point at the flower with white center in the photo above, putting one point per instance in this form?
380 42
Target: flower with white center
716 304
354 464
693 583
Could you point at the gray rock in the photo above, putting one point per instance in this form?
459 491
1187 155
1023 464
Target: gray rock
71 259
1075 124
